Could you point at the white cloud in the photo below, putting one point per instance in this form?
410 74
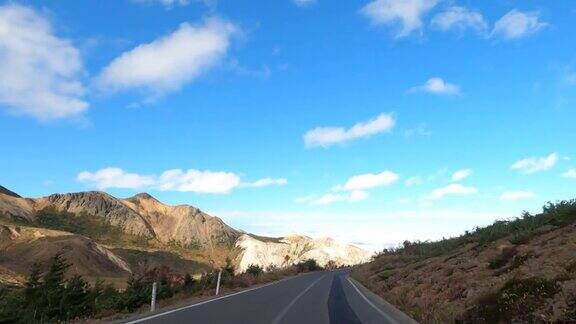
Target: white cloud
265 182
330 198
304 3
115 178
452 189
353 190
570 174
536 164
327 136
437 86
166 3
405 13
198 181
168 63
459 19
413 181
516 195
368 181
461 174
517 24
40 73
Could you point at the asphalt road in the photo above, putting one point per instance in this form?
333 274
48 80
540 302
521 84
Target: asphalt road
319 297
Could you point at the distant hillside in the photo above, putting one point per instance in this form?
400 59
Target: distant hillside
521 271
107 237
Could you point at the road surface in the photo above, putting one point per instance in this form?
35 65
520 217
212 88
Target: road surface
318 297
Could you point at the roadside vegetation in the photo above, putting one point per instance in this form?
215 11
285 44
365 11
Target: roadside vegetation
519 270
51 295
520 230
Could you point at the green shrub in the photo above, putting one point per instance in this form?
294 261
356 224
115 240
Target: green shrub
254 270
137 293
383 275
521 238
307 266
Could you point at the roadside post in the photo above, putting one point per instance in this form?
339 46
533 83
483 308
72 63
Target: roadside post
153 301
218 282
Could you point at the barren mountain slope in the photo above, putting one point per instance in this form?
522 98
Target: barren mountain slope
141 215
14 207
99 204
184 224
296 248
21 246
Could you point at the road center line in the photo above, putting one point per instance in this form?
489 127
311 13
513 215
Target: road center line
285 310
390 319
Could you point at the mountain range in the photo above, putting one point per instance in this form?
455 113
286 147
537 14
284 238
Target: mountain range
110 238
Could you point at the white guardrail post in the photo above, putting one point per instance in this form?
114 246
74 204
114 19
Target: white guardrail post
218 282
153 301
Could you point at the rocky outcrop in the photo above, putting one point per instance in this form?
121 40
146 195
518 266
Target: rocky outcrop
98 204
184 224
294 249
141 215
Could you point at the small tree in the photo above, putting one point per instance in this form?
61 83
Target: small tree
32 290
77 300
50 306
254 270
137 293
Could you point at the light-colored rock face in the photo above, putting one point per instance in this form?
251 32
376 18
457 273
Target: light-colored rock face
294 249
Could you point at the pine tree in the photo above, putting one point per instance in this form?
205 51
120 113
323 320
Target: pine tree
32 290
53 289
76 299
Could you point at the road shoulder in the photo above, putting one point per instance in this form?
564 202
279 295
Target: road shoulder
387 310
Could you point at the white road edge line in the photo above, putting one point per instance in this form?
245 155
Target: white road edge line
205 302
287 308
390 319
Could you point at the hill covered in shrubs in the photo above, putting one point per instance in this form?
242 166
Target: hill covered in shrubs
520 270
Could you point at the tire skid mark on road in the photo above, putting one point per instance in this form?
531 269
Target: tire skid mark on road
339 309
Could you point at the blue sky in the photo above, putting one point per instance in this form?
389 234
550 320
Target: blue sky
367 121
